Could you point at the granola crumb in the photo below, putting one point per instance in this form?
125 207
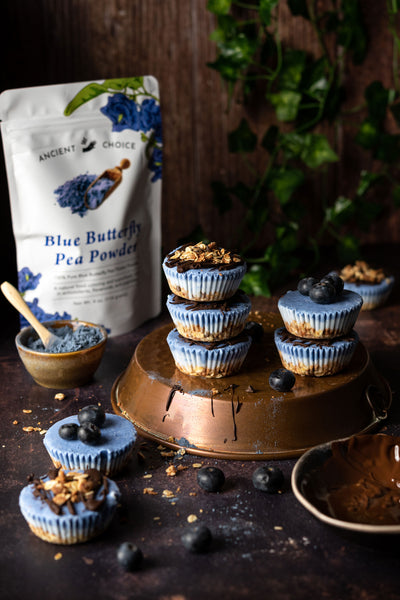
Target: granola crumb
150 491
171 471
59 396
191 518
197 465
168 494
15 422
27 411
147 476
57 556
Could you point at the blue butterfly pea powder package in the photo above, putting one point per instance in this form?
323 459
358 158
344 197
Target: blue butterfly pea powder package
84 168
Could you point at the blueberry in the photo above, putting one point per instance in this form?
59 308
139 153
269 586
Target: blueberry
335 280
68 431
255 330
92 414
197 538
89 433
268 479
129 556
304 286
282 380
322 292
211 479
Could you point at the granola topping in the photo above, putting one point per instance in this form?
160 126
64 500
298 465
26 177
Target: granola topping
203 256
361 272
63 489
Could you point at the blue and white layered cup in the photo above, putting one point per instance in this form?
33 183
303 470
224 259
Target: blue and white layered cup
217 359
317 358
204 285
373 294
209 321
307 319
67 528
109 455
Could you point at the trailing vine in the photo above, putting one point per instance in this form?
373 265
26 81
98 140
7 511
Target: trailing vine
304 92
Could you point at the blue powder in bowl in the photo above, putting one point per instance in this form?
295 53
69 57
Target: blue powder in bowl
95 195
71 340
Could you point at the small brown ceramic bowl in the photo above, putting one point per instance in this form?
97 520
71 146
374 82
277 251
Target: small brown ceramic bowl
61 370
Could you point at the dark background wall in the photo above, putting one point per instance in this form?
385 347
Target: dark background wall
56 41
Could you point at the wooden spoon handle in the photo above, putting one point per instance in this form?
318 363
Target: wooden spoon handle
15 298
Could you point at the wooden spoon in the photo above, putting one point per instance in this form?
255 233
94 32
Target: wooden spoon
15 298
114 175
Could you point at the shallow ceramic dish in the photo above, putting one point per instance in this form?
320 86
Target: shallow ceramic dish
240 416
308 467
61 370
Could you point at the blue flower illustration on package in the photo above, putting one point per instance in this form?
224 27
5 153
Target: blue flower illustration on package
129 106
28 281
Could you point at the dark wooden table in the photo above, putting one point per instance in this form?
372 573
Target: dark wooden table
265 546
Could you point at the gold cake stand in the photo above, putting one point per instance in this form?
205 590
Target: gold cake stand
240 416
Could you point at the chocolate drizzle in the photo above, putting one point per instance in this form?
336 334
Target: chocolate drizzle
232 388
297 341
223 306
242 337
176 388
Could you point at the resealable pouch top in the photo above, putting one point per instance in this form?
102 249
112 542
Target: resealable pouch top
84 173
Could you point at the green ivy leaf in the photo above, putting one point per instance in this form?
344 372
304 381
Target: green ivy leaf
367 135
340 212
367 180
286 104
317 151
349 249
299 8
351 32
293 65
221 197
255 281
243 139
377 98
292 144
314 80
243 192
284 181
219 7
265 8
270 138
90 91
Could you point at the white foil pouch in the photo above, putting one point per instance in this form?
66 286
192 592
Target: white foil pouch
84 167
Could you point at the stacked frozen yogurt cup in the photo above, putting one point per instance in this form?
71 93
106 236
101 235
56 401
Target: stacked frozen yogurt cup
318 338
208 309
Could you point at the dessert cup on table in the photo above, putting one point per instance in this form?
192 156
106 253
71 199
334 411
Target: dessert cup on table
209 321
203 272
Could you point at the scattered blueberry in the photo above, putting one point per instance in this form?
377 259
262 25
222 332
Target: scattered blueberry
268 479
89 433
197 538
323 292
282 380
211 479
304 286
68 431
92 414
255 330
335 280
129 556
